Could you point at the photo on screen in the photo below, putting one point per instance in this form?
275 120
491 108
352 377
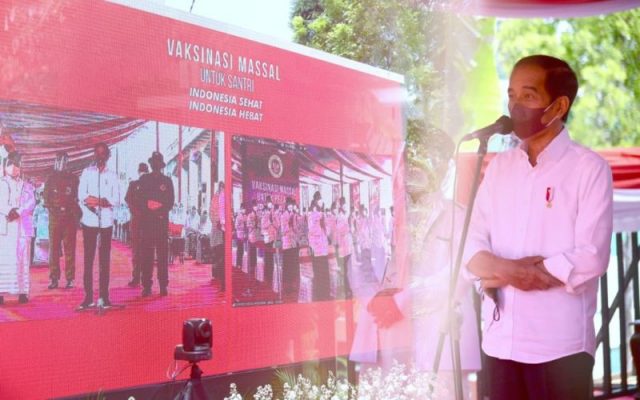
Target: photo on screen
309 223
133 203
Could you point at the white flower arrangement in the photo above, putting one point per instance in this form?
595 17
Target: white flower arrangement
400 383
233 393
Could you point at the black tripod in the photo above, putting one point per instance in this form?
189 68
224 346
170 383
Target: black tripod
193 389
453 319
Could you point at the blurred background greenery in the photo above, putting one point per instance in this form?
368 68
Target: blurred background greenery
457 66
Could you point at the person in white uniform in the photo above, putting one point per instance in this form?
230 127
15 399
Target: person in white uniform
423 300
17 202
344 244
291 264
241 235
319 244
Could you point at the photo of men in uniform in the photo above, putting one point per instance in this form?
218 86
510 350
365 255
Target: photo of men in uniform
111 192
302 227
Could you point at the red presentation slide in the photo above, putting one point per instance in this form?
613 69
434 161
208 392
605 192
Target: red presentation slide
157 167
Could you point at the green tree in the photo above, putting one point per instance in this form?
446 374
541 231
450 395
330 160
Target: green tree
410 37
604 51
393 35
306 11
480 100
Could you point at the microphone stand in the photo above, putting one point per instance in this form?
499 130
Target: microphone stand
452 325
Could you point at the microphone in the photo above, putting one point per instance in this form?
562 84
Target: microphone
503 126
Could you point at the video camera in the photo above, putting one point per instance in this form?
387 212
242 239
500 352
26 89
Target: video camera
197 335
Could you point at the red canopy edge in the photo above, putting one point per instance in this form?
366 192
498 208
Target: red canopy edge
544 8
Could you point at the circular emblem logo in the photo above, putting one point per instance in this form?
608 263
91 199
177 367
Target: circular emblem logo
163 187
276 168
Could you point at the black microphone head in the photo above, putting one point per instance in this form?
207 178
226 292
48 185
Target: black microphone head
505 125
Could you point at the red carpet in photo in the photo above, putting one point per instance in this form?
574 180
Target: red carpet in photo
190 285
249 291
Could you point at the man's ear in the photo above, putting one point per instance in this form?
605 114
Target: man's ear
562 104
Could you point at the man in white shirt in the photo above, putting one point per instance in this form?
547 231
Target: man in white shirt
217 229
192 222
203 245
98 193
241 235
539 240
269 231
290 251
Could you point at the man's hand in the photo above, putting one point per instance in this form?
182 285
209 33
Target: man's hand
104 203
490 287
13 215
527 273
493 283
384 309
91 202
153 205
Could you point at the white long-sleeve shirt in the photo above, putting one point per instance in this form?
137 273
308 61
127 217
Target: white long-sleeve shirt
205 227
561 209
18 194
101 185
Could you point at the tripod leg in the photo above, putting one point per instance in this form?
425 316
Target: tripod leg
193 389
198 391
185 393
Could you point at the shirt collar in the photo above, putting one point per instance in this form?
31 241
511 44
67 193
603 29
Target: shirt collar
554 150
14 181
95 168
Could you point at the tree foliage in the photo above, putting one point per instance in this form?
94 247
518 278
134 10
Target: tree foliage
604 51
394 35
410 37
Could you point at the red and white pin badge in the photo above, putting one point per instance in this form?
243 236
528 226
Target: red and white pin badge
549 196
